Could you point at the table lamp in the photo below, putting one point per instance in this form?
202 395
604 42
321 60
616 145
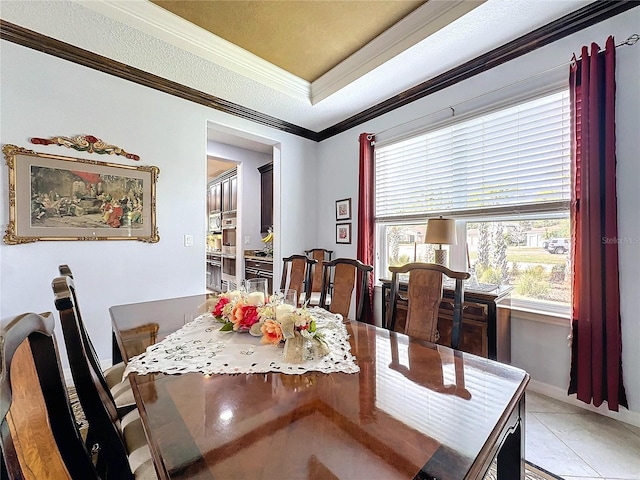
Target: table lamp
441 231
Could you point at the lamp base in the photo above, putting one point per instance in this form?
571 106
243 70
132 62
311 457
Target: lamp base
441 257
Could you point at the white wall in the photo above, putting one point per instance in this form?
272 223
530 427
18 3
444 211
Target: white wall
540 348
44 96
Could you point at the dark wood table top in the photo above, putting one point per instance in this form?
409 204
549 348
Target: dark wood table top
415 410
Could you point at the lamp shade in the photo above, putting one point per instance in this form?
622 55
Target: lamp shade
441 231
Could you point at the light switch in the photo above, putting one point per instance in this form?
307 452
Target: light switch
247 240
188 240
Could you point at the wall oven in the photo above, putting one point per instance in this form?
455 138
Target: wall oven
229 235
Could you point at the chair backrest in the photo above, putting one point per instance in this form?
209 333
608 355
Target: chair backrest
96 400
39 435
296 274
92 356
424 294
340 276
320 255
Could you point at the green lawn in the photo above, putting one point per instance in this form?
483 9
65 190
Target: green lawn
530 255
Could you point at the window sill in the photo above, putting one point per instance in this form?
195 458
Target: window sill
542 316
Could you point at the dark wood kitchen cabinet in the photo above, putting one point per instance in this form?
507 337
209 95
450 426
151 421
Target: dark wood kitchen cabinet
230 193
223 193
215 197
266 197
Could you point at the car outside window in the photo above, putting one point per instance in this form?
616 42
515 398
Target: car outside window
558 245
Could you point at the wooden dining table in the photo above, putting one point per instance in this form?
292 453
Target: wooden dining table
415 410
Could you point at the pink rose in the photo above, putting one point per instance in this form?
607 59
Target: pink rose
217 310
246 316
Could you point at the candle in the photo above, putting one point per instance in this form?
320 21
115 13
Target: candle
282 310
255 298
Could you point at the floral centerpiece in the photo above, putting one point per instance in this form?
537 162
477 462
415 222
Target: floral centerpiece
275 322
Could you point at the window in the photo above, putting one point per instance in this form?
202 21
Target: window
505 177
531 255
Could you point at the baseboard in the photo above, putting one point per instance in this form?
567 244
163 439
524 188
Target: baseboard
624 415
68 379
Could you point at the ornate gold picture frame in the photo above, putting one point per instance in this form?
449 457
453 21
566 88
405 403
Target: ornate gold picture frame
52 197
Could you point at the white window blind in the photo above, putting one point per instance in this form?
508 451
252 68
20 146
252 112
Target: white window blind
511 160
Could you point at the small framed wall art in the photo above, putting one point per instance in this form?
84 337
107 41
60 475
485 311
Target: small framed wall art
52 197
343 233
343 209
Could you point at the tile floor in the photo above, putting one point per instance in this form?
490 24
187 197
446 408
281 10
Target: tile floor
577 444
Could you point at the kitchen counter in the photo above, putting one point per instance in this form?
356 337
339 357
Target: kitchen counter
251 255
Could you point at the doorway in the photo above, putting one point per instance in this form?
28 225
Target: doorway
246 153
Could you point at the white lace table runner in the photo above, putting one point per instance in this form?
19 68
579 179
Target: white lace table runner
200 346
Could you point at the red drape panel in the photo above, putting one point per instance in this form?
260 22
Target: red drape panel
596 356
366 224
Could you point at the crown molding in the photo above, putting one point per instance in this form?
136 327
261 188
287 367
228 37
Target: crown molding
422 22
153 20
582 18
560 28
51 46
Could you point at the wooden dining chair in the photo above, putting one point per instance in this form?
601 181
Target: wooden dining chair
38 432
296 275
123 451
424 294
111 377
339 277
320 255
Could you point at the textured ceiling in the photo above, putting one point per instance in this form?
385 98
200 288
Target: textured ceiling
305 38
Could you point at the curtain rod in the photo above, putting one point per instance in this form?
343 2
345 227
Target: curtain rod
632 40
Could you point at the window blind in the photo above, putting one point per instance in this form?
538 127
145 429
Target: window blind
511 160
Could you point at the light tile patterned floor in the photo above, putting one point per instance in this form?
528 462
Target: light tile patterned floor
577 444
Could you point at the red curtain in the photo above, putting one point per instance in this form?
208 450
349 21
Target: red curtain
366 224
596 351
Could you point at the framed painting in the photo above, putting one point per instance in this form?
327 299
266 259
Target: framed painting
343 209
343 233
53 197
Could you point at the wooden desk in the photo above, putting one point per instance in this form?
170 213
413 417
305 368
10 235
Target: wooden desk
415 410
486 319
